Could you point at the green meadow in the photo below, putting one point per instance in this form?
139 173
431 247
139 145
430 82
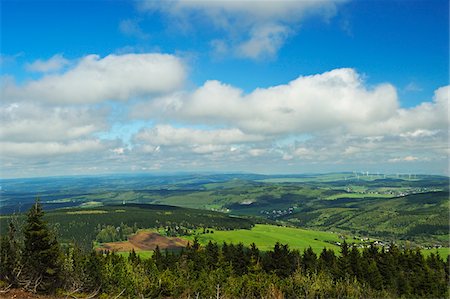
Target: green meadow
443 251
265 236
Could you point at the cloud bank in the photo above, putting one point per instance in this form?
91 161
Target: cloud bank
70 121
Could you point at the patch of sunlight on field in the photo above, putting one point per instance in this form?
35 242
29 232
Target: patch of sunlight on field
87 212
265 236
91 204
443 252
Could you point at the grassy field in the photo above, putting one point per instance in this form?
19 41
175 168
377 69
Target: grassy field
443 252
265 236
143 254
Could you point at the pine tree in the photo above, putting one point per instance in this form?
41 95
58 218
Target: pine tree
309 260
93 270
158 258
10 257
278 261
212 255
344 267
355 262
240 260
254 255
41 253
373 276
327 261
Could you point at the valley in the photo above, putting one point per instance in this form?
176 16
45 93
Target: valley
408 210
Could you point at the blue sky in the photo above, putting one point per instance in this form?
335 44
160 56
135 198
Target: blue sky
260 86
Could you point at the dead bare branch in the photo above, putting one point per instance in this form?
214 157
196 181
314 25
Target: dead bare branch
120 294
6 290
95 293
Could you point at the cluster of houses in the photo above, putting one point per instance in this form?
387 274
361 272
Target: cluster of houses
396 192
277 213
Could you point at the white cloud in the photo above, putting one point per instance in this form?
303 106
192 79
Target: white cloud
30 122
404 159
254 29
264 41
256 152
46 149
94 79
308 104
55 63
423 119
337 102
347 123
195 140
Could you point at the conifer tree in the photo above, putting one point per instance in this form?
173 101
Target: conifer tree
10 257
212 255
254 254
327 261
41 255
373 276
158 258
309 260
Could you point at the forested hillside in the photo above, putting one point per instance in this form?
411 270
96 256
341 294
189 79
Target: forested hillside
84 225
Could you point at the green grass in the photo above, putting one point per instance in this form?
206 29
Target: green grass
443 252
143 254
265 236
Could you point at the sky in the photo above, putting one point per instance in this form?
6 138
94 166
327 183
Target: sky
95 87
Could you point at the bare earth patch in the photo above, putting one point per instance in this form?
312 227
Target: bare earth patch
17 293
145 241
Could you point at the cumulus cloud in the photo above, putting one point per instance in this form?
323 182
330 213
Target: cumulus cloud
37 138
196 140
254 29
95 79
30 122
55 63
332 118
423 119
308 104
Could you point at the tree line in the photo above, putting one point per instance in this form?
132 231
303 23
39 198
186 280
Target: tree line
32 259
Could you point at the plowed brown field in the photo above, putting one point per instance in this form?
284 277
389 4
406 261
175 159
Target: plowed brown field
145 241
